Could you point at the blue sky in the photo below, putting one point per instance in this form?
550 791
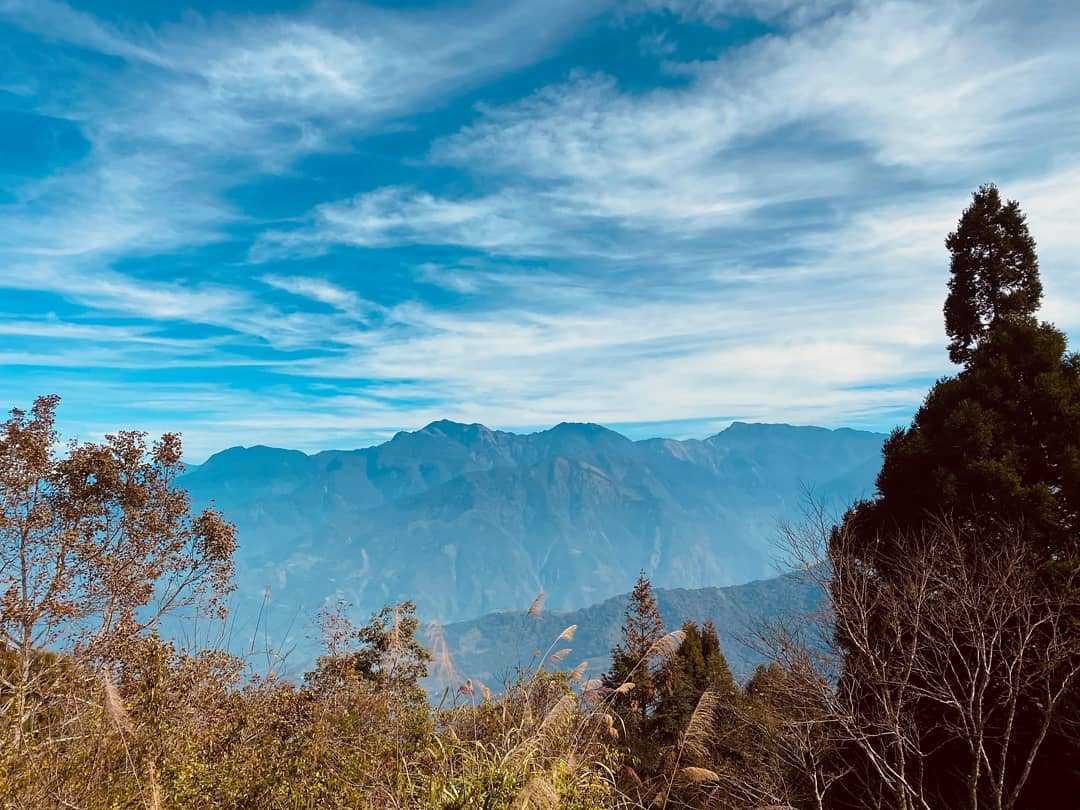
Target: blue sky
311 225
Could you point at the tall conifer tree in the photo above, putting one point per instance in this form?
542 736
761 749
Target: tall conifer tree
993 449
995 272
1000 441
642 629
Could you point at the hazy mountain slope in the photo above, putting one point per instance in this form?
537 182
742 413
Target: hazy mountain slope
488 649
466 520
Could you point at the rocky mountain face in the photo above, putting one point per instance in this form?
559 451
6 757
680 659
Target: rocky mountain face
466 521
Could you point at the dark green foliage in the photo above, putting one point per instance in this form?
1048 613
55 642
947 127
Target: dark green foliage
995 273
384 652
1000 442
993 450
697 665
488 648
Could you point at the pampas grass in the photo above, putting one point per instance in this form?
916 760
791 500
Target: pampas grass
695 736
538 794
537 606
559 656
190 738
113 704
693 743
663 648
442 663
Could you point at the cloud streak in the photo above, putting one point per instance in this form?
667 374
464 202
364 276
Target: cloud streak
755 232
887 97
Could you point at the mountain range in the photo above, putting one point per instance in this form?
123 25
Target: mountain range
467 521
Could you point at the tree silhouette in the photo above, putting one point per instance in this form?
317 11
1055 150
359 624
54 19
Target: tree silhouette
999 442
994 452
995 272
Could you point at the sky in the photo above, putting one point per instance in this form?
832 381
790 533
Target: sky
311 225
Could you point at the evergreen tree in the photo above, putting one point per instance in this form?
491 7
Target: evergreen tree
718 673
1000 442
995 272
697 665
994 448
642 629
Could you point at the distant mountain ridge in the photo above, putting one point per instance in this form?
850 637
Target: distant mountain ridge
490 648
466 520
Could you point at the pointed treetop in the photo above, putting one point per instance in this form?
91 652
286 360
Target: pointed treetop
995 272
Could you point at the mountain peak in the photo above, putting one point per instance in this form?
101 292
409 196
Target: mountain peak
257 451
584 428
461 432
255 460
449 426
466 520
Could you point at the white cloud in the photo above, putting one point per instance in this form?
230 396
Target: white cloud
851 334
761 241
721 11
267 82
394 216
201 106
843 114
777 223
317 289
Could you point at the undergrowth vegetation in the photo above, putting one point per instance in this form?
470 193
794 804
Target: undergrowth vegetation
164 728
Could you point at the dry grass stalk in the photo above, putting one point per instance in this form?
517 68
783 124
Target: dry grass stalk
154 801
665 647
442 663
559 655
698 775
537 606
695 738
694 743
114 705
567 634
557 713
538 794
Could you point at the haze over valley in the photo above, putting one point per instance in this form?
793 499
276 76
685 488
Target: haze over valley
467 521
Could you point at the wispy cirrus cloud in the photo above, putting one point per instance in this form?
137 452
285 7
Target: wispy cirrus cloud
316 289
184 112
723 11
370 218
202 106
858 108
